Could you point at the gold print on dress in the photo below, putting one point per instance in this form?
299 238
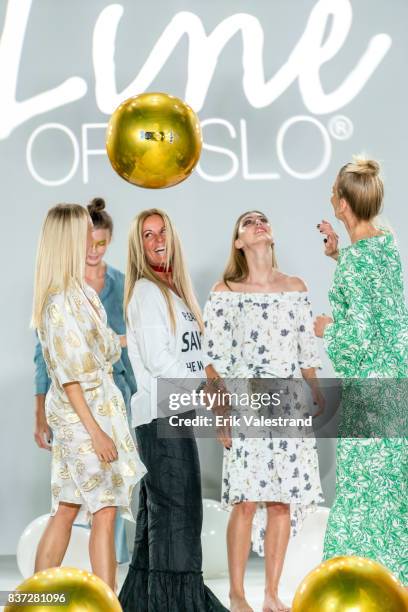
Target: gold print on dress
64 473
119 404
72 418
67 434
55 490
52 419
129 468
107 497
115 437
79 466
92 483
117 480
128 444
55 315
91 336
88 363
106 409
59 348
85 448
73 339
57 453
105 466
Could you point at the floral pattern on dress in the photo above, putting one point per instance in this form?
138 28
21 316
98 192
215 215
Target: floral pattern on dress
252 335
369 339
79 347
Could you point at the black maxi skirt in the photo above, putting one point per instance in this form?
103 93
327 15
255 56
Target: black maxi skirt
165 574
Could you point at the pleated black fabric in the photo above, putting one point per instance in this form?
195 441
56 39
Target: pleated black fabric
165 574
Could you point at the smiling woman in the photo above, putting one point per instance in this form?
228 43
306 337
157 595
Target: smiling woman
163 330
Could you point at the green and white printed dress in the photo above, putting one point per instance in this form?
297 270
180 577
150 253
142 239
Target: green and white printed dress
369 339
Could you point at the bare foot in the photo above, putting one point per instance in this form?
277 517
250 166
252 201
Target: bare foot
272 603
239 604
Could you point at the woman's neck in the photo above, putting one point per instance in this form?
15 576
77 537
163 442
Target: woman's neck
359 230
95 272
260 270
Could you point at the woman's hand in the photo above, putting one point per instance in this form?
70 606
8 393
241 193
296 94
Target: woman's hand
319 400
224 432
123 341
42 431
320 324
331 241
104 446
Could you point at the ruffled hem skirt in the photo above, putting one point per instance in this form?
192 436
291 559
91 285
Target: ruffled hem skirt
145 591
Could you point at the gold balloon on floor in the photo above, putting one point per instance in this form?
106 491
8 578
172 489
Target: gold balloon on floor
64 589
350 584
154 140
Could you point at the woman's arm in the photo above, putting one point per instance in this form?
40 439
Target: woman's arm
347 340
70 359
42 432
103 445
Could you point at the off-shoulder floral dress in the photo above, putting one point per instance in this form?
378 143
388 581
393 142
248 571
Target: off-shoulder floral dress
265 335
369 339
79 347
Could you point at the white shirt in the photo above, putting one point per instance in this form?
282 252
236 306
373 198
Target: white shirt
155 351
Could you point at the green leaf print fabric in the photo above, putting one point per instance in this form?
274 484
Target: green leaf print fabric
369 339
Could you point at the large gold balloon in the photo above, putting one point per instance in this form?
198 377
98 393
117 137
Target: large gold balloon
350 584
154 140
64 589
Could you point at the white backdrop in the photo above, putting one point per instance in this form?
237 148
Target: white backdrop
286 91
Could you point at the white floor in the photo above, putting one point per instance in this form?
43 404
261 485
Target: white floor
10 577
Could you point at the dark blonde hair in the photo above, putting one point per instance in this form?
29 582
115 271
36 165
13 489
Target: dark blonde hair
139 267
236 269
101 219
359 183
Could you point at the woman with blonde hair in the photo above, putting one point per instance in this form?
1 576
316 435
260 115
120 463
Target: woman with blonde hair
164 326
367 338
258 325
95 464
108 283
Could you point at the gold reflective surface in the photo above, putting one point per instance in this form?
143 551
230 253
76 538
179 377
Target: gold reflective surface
350 584
154 140
84 592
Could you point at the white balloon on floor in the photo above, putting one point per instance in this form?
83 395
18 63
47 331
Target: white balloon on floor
76 556
304 552
214 539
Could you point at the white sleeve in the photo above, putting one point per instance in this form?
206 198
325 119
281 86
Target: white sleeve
150 330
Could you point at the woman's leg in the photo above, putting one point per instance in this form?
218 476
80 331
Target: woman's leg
55 539
102 545
239 544
276 542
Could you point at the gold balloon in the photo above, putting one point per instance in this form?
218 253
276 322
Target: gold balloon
350 584
154 140
83 592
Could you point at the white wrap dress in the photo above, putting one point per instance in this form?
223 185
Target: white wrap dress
79 347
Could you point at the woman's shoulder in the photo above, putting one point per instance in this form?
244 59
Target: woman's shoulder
220 285
115 274
293 283
146 290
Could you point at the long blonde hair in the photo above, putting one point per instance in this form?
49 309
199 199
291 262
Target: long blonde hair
61 254
139 267
236 269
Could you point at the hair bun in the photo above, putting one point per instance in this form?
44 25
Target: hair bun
360 165
96 205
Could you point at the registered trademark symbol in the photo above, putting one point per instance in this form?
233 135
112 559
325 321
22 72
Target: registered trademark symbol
341 127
